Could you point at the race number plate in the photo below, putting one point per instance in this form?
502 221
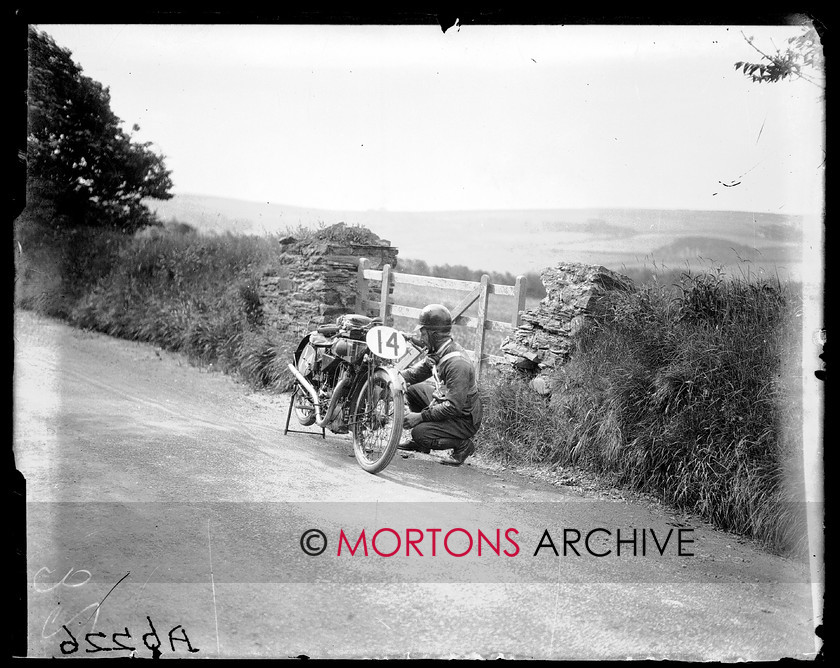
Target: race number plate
386 342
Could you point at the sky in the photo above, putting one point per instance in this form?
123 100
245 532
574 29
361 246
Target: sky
409 118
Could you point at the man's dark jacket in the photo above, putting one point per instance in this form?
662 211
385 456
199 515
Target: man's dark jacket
456 392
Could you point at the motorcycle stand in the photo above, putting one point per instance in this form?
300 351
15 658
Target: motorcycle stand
286 430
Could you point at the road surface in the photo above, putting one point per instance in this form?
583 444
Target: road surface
166 509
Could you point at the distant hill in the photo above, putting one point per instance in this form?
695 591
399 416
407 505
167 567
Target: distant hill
709 247
525 240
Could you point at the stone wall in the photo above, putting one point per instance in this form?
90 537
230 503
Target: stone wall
575 293
313 280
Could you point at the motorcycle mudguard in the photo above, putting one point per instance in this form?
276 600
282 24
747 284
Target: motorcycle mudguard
303 342
360 379
396 377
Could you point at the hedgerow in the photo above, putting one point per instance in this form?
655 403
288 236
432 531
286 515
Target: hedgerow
687 392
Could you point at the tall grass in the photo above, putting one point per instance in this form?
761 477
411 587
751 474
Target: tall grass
192 294
687 393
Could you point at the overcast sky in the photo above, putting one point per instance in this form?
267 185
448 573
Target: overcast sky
481 117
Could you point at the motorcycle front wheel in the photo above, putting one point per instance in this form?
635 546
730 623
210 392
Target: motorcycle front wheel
377 422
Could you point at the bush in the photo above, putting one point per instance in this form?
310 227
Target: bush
166 286
56 266
684 394
519 426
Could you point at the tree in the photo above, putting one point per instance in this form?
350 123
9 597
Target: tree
81 164
801 59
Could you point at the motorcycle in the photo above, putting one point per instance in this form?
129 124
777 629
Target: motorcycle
346 382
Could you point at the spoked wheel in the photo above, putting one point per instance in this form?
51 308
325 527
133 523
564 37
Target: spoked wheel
303 406
377 425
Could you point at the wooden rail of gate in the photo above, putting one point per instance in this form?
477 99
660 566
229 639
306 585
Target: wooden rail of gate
476 291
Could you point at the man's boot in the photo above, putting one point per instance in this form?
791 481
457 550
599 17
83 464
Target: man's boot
409 445
460 451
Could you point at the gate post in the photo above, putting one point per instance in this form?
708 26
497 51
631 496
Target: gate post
520 291
362 286
386 289
482 321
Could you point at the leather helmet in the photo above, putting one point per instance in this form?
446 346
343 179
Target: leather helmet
436 318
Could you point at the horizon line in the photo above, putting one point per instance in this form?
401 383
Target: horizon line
779 212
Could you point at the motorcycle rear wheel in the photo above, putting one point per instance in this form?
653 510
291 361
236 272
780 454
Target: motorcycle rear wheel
378 411
303 406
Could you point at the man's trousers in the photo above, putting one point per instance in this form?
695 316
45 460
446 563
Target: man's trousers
436 435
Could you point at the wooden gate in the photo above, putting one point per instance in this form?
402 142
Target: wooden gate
475 292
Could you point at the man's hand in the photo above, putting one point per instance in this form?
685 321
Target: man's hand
411 420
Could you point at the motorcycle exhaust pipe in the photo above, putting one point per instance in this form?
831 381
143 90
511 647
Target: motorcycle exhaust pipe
306 385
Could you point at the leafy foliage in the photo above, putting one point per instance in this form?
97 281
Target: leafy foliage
79 159
802 58
689 395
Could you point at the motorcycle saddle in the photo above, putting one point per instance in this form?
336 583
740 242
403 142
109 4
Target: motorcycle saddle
320 341
324 336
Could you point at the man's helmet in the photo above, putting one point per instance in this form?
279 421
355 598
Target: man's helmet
436 318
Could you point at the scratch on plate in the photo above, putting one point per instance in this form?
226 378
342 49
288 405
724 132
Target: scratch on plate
213 585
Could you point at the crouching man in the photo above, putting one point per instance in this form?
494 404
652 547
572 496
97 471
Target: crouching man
444 406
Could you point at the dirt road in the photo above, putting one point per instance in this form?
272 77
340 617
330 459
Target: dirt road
165 515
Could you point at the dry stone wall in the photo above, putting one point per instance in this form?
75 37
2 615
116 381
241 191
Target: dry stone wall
313 280
575 293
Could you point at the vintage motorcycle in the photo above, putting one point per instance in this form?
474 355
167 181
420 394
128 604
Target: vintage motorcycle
346 382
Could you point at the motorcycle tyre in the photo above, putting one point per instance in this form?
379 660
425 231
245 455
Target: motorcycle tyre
381 462
305 416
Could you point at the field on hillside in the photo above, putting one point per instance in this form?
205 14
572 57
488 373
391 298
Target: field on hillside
530 240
